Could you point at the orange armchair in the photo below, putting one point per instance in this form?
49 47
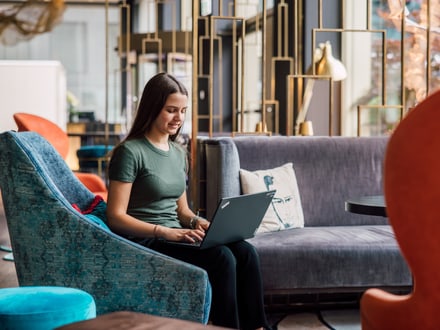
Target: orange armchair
60 140
412 194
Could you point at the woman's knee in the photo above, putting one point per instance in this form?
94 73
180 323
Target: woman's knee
223 258
245 252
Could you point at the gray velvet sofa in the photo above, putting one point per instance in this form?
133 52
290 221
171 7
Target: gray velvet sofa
336 251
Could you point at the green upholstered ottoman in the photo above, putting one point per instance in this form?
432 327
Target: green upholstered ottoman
43 307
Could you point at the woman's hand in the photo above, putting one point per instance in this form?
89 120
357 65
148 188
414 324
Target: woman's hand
202 224
177 234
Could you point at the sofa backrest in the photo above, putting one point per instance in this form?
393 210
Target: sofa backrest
329 170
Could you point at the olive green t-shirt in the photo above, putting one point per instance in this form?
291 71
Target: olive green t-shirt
158 177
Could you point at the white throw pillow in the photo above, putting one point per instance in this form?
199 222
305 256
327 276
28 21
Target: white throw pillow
285 210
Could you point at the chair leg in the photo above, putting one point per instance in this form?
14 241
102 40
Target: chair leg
5 248
8 257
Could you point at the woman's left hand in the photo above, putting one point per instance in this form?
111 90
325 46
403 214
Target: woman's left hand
202 224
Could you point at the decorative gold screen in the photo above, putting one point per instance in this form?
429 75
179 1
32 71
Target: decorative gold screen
220 55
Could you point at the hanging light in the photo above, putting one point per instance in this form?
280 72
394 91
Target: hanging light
25 20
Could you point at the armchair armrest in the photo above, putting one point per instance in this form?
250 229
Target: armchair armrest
120 274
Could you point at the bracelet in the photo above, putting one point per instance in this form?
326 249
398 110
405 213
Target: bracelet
193 221
154 231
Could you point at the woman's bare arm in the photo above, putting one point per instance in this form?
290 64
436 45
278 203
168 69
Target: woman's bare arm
122 223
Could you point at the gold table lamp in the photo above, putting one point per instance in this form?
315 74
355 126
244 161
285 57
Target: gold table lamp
324 65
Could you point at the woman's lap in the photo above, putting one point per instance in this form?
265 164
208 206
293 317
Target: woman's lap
234 273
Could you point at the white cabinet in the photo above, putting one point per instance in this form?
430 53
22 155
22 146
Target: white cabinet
36 87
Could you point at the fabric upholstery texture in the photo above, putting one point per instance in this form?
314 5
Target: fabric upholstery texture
336 250
55 245
60 141
44 307
412 194
331 257
285 210
96 212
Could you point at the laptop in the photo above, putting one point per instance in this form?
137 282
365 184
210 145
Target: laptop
236 218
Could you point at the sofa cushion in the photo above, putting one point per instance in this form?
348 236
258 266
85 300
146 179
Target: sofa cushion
324 258
285 210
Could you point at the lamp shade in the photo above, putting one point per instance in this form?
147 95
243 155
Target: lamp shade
326 64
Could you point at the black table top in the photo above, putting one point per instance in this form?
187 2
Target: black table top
369 205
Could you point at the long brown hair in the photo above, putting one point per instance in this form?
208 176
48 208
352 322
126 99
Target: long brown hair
153 99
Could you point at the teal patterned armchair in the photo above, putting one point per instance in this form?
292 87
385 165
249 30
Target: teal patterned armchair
56 245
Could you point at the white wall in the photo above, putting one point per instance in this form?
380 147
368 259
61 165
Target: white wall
356 55
37 87
78 42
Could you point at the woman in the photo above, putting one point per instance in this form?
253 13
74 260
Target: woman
147 201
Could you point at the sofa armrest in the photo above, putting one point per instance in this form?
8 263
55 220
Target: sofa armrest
223 171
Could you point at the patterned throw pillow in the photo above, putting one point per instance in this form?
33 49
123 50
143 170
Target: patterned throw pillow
286 209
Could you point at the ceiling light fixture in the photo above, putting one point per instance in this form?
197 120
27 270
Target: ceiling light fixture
25 20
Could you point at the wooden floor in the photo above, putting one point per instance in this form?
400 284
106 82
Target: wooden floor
8 278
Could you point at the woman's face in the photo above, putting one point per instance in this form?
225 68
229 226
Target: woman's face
172 114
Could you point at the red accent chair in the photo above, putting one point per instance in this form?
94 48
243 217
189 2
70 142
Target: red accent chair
60 141
412 195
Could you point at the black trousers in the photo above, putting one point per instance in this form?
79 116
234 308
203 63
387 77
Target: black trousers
235 277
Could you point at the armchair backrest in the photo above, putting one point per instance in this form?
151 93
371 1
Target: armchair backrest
60 141
412 193
29 162
38 190
46 128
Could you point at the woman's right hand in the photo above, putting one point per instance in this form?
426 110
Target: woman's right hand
180 234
